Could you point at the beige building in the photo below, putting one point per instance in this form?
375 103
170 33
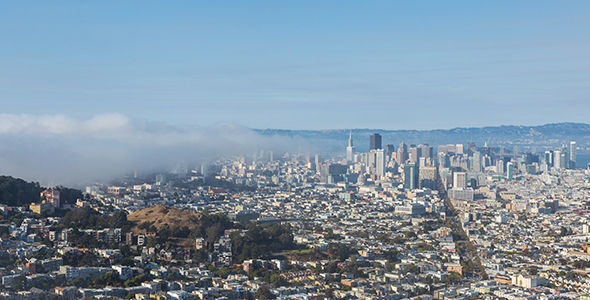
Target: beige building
528 281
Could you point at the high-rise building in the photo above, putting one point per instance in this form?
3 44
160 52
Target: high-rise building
160 179
380 162
459 149
425 150
414 153
402 153
459 180
375 141
389 149
350 151
427 177
510 171
500 166
411 176
572 155
557 159
563 162
476 166
549 158
443 160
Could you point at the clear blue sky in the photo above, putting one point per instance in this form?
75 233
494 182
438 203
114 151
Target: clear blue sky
299 64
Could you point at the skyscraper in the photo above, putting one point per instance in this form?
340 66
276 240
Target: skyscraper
425 150
459 180
549 158
380 162
500 166
476 167
572 155
411 176
510 171
414 154
402 153
427 177
375 141
557 159
350 149
389 150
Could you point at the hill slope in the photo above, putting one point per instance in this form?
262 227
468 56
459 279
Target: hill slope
161 216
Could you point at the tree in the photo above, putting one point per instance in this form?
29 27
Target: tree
127 261
19 283
329 293
412 268
263 293
278 280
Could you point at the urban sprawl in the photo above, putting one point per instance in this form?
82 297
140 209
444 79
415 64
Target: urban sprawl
455 221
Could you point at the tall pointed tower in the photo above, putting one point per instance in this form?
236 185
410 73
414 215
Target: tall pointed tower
350 149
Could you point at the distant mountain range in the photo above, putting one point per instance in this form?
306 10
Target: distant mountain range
549 136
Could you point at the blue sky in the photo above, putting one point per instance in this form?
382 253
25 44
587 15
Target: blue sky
299 64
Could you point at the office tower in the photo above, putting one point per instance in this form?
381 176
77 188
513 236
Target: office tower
510 171
160 179
459 180
350 151
476 166
318 162
389 149
380 162
425 150
459 149
427 177
500 166
572 155
402 153
557 159
451 148
375 141
486 161
443 160
371 158
423 162
564 157
414 153
549 158
411 176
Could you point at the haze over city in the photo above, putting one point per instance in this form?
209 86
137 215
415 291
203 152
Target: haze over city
80 78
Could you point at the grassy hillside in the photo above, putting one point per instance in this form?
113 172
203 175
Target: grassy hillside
160 217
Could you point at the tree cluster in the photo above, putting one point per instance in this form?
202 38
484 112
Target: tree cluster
260 242
68 195
17 192
88 218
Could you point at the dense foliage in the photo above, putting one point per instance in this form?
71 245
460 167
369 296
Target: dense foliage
68 195
17 192
260 242
89 218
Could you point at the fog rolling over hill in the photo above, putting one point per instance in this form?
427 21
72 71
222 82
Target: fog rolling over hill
60 150
526 138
